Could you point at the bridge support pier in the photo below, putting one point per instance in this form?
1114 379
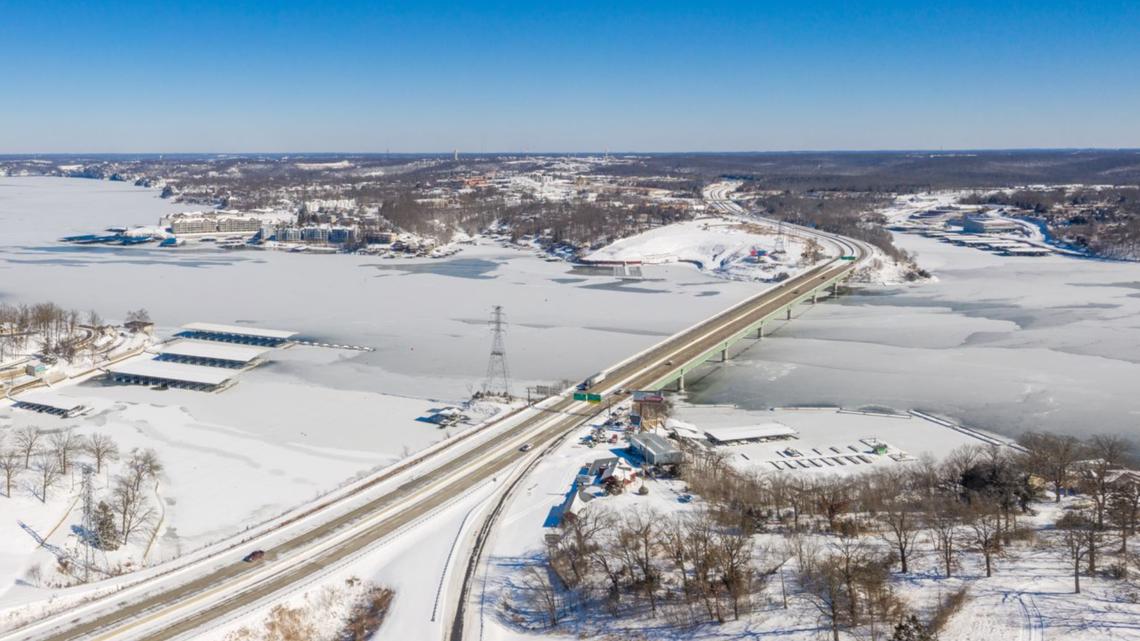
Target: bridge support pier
681 383
760 332
835 288
724 355
813 297
789 312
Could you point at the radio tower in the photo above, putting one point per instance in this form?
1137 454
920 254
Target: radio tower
498 378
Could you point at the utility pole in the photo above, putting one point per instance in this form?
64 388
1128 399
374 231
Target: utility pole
498 379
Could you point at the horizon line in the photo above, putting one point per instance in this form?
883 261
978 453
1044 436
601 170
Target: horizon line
17 155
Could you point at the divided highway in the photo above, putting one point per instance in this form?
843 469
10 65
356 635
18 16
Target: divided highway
169 612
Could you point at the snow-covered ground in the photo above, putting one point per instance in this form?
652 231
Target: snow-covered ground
725 247
818 431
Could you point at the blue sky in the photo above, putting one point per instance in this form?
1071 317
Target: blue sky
534 76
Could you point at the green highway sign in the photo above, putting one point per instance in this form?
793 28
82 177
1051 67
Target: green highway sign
579 396
594 398
846 258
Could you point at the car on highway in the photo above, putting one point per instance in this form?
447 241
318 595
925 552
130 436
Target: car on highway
254 556
525 447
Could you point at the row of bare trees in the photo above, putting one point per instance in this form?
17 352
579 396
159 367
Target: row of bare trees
45 459
687 568
845 535
55 329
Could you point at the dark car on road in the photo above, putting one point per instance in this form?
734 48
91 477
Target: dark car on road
256 555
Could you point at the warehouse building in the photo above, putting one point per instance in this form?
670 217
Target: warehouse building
654 449
235 334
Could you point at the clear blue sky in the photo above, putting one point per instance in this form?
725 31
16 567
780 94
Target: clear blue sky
536 76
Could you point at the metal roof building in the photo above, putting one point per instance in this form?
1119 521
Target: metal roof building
156 372
722 435
236 334
654 449
211 353
48 403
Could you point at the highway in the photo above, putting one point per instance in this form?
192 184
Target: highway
646 369
214 594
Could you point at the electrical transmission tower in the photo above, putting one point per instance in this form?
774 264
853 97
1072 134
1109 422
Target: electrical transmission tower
779 249
498 377
89 524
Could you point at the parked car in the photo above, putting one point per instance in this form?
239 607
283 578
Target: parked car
254 556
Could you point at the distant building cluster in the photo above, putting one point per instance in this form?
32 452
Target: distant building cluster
213 223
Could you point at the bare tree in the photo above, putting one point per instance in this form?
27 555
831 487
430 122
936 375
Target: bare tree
1052 457
1107 454
11 465
903 525
1124 509
1075 531
637 538
101 448
944 519
542 586
27 441
734 560
128 496
824 588
64 445
47 473
984 518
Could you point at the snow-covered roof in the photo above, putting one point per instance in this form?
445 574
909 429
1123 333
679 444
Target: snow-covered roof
218 351
653 442
748 432
48 399
239 331
174 371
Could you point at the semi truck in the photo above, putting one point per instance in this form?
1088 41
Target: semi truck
592 381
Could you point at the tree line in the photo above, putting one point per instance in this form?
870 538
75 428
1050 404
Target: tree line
840 540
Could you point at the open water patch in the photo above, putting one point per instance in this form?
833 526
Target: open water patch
473 268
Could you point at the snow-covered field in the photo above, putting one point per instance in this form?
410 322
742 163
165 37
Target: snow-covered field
720 246
818 430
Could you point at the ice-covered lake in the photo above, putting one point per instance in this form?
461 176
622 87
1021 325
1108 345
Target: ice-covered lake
426 318
1008 344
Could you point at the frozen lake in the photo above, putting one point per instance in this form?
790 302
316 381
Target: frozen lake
426 318
1007 344
311 417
